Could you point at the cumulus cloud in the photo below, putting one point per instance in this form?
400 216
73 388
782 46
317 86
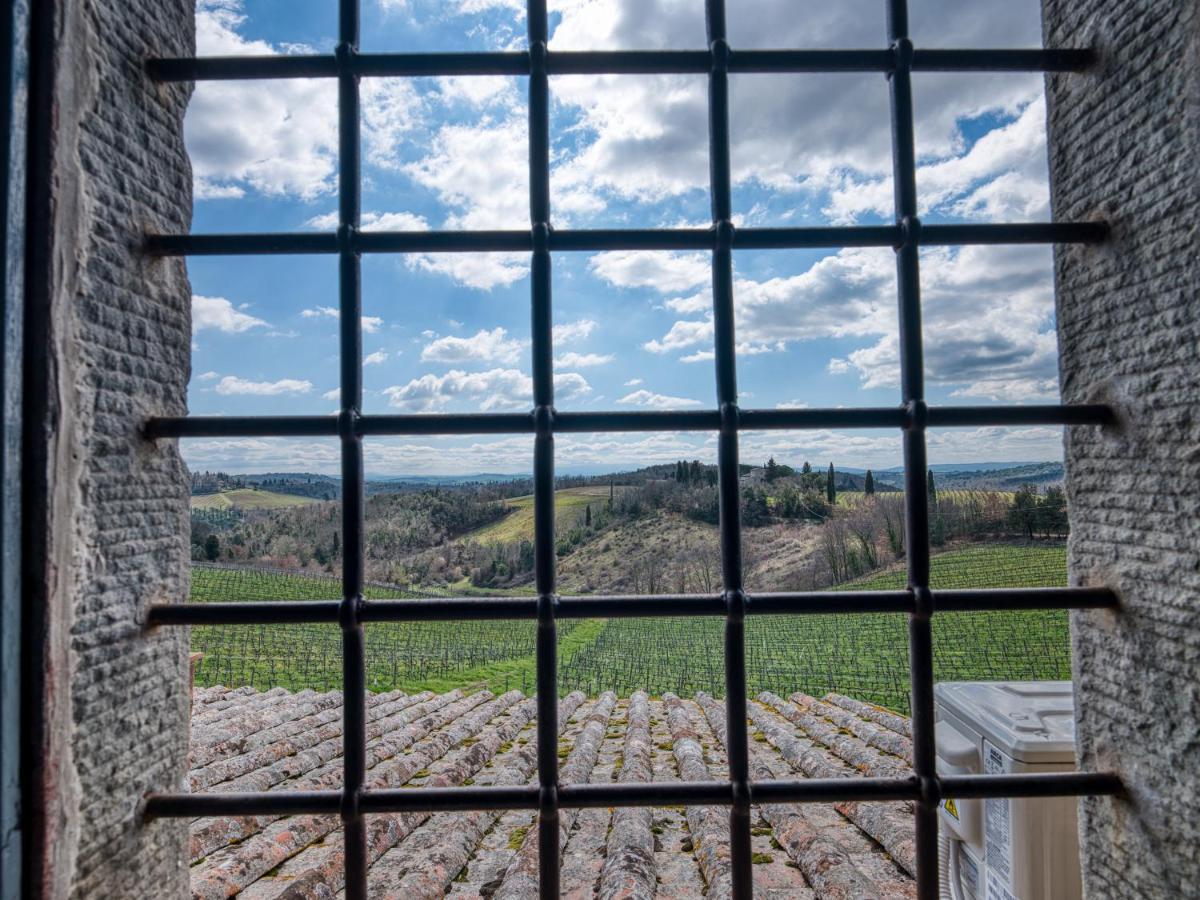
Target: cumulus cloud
1003 177
370 324
651 400
377 358
220 314
582 360
664 272
231 385
569 332
279 138
483 346
808 134
495 389
987 312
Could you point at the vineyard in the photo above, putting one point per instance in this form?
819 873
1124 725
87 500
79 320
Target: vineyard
417 656
865 656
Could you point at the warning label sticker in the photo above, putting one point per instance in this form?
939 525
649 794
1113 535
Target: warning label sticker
997 820
950 807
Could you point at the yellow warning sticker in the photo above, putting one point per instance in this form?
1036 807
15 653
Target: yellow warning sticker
950 807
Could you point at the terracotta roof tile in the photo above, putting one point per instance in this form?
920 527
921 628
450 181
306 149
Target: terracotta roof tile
279 741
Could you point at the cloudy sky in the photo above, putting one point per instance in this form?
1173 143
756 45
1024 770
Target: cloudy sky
632 330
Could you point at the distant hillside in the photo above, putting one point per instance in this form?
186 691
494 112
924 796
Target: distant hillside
298 484
249 498
986 477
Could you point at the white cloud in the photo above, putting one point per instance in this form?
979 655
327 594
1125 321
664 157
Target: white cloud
663 272
495 389
682 334
273 137
374 221
652 400
209 376
1002 177
570 332
279 138
370 324
233 386
987 313
335 394
377 358
582 360
483 346
219 314
807 134
633 382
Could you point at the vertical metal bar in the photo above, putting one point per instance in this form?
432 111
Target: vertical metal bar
543 451
916 501
354 736
738 747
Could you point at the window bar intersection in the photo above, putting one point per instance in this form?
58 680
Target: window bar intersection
918 602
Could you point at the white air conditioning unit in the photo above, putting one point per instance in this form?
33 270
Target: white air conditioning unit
1007 849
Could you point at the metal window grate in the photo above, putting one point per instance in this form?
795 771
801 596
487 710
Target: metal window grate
913 417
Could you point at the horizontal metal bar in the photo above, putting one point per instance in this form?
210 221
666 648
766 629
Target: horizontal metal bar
1066 59
678 793
813 237
1052 784
629 607
834 790
807 790
601 239
240 426
265 612
985 600
609 62
607 239
622 421
447 423
1050 414
242 803
448 799
433 609
1013 233
797 419
448 609
250 244
820 602
442 242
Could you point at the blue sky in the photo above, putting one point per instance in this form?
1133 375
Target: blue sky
633 330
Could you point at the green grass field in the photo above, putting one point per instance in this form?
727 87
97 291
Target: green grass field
518 525
862 655
249 498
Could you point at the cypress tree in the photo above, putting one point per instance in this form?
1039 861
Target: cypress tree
587 517
932 489
869 484
830 487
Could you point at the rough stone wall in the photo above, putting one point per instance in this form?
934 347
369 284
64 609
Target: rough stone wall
1125 146
116 510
